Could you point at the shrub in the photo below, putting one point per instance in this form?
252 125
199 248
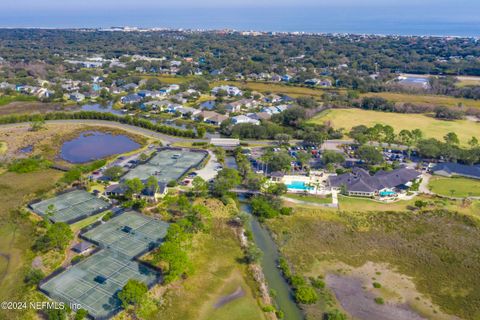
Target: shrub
28 165
377 285
107 216
317 283
379 300
306 295
132 293
33 277
172 183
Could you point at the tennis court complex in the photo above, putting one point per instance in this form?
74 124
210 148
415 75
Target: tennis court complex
71 206
167 165
130 234
94 282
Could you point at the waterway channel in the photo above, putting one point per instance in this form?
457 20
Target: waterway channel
283 296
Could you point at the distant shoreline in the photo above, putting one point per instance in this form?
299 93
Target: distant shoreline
229 30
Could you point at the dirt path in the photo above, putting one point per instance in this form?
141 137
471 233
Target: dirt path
239 293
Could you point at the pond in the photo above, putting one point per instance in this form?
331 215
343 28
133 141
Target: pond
27 149
101 108
91 146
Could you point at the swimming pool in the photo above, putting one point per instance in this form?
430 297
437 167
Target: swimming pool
387 193
298 185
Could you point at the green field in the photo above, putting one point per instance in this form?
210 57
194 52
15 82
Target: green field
430 100
9 99
435 248
309 198
86 222
3 147
455 187
277 88
431 127
16 232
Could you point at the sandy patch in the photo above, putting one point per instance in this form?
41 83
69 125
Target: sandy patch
355 292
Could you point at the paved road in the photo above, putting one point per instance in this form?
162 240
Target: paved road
164 138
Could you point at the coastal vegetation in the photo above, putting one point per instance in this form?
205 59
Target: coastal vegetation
91 115
434 248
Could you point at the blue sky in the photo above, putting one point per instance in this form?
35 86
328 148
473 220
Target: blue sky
12 5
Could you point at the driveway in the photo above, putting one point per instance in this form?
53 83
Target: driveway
208 172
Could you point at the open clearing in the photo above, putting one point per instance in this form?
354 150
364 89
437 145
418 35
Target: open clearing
436 249
431 127
355 291
429 100
455 187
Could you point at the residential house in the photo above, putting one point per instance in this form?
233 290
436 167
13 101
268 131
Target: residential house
286 78
131 98
144 93
212 117
77 97
262 116
130 87
148 193
312 82
360 183
275 78
172 107
43 93
187 110
270 110
287 99
6 85
230 90
152 194
157 105
325 83
244 119
450 169
233 107
116 190
283 107
208 105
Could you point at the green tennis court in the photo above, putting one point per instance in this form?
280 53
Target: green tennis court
167 165
130 233
94 283
71 206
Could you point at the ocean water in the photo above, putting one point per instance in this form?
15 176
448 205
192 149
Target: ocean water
449 18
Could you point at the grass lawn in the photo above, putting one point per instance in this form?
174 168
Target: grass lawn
293 91
455 187
9 99
362 204
309 198
3 147
86 222
169 79
431 127
434 248
16 232
425 99
218 272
